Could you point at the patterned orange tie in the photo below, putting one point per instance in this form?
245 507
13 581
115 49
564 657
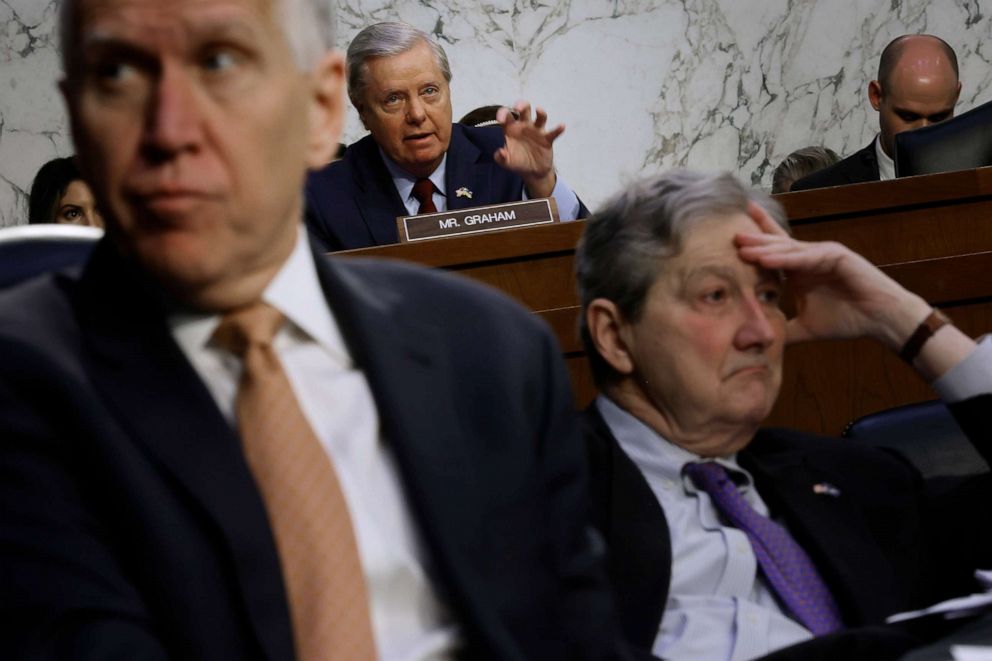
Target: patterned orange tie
323 574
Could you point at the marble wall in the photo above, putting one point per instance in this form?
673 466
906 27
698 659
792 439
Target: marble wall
642 85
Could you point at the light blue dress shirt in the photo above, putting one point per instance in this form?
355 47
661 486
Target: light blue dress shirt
719 607
565 198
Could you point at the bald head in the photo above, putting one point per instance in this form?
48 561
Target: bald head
917 85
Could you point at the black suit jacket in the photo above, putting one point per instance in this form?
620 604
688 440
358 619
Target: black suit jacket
880 546
352 203
132 527
859 167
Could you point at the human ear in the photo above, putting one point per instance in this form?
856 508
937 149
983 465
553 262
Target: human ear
608 332
875 94
326 109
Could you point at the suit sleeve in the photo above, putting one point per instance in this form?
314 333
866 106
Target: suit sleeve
63 593
588 618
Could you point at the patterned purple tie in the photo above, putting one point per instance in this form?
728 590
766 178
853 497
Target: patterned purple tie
785 564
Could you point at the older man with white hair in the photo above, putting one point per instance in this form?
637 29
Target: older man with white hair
415 160
216 443
728 541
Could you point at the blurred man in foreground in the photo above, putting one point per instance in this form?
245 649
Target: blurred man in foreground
917 86
217 444
415 160
727 541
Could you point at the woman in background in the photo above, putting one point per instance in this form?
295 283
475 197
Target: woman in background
59 195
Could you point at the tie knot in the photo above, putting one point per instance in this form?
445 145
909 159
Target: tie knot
254 325
707 474
423 190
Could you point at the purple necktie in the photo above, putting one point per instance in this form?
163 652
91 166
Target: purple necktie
785 564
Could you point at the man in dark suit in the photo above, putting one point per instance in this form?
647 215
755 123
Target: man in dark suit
680 278
917 86
415 160
138 521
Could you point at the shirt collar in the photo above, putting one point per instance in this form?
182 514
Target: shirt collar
404 181
295 291
654 455
886 166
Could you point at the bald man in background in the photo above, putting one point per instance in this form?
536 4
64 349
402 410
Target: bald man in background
917 86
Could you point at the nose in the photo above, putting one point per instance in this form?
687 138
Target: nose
415 111
756 330
173 122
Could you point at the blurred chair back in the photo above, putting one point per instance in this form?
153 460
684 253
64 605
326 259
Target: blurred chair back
30 250
927 435
959 143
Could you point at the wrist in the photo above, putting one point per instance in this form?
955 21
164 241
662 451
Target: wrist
541 186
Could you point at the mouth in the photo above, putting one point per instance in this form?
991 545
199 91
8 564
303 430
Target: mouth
750 370
169 202
417 138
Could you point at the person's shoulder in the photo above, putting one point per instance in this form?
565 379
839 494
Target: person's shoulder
423 288
486 138
342 170
859 167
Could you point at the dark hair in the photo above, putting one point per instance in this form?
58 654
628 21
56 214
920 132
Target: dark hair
800 163
893 51
49 186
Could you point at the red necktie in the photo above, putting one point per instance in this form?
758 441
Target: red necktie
423 190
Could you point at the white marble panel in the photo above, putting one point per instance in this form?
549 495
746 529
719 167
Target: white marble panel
642 85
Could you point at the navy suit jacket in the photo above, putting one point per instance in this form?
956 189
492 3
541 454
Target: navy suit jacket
352 203
881 545
132 527
859 167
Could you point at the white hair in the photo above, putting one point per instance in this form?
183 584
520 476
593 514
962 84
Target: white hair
308 25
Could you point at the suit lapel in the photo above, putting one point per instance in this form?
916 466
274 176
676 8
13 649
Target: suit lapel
162 404
409 377
378 201
639 549
830 528
463 170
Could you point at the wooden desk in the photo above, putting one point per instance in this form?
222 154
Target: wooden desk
932 233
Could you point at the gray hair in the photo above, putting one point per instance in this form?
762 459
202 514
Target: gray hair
800 163
308 25
627 242
386 40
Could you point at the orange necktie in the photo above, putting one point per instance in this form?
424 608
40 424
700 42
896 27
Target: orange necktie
328 600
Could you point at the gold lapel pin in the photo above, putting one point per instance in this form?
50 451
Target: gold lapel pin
826 489
463 192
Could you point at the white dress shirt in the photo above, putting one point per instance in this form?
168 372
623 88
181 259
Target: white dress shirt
565 197
886 166
408 619
719 606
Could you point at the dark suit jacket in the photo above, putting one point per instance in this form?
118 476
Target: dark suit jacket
859 167
352 203
131 525
880 546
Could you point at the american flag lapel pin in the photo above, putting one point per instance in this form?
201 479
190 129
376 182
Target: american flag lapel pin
826 489
463 192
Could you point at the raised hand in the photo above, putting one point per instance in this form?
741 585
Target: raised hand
839 293
528 150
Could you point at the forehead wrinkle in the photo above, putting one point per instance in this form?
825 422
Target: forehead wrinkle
149 29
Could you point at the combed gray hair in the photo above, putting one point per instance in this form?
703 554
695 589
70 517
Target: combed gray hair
386 40
308 25
626 243
800 163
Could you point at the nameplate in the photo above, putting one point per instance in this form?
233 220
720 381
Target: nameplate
459 222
